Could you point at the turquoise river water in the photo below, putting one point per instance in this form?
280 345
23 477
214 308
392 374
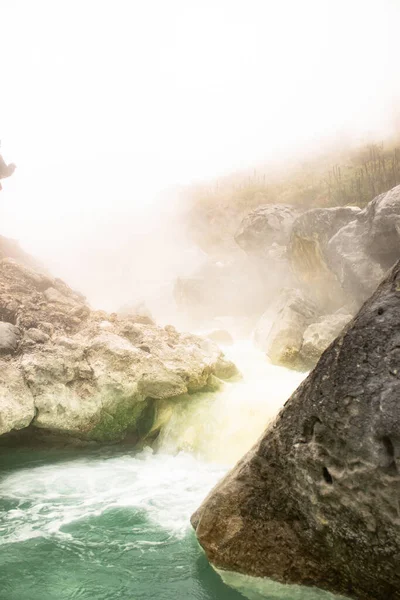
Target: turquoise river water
112 524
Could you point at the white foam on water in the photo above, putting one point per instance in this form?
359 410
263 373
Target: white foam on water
167 488
221 427
205 436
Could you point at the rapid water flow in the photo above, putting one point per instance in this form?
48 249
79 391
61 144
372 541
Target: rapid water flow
112 524
221 427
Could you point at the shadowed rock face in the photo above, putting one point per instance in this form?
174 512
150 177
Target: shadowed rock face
316 501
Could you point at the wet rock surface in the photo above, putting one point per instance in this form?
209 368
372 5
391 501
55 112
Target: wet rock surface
316 501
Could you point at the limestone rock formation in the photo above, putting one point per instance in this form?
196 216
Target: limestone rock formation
343 253
316 501
9 338
338 255
360 253
280 330
87 374
319 335
17 408
308 249
268 226
293 334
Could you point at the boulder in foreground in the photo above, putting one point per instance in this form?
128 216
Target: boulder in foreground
316 501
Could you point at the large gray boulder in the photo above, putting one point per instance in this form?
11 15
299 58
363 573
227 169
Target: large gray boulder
316 500
87 374
293 334
383 224
308 252
319 335
316 227
360 253
266 228
279 332
9 338
349 260
341 254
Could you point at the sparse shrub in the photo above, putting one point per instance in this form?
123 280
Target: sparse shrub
351 177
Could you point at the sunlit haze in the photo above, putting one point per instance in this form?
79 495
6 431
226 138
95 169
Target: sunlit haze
108 107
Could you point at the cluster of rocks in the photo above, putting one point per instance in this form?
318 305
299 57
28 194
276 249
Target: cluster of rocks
79 373
328 260
316 500
292 332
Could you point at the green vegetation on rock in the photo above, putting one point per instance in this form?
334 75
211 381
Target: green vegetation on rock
130 417
350 176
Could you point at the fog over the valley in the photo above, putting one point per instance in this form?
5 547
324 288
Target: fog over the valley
110 108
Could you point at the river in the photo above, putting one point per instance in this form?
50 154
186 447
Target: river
113 524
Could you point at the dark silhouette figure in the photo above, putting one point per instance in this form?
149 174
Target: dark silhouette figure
5 170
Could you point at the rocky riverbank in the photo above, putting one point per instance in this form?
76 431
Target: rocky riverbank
80 374
297 275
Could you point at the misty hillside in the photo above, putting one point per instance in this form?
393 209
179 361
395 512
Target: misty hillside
200 300
346 176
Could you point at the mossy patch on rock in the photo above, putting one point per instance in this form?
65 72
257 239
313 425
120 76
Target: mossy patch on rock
124 418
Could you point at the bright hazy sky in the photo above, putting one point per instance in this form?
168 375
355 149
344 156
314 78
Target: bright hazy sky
104 103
